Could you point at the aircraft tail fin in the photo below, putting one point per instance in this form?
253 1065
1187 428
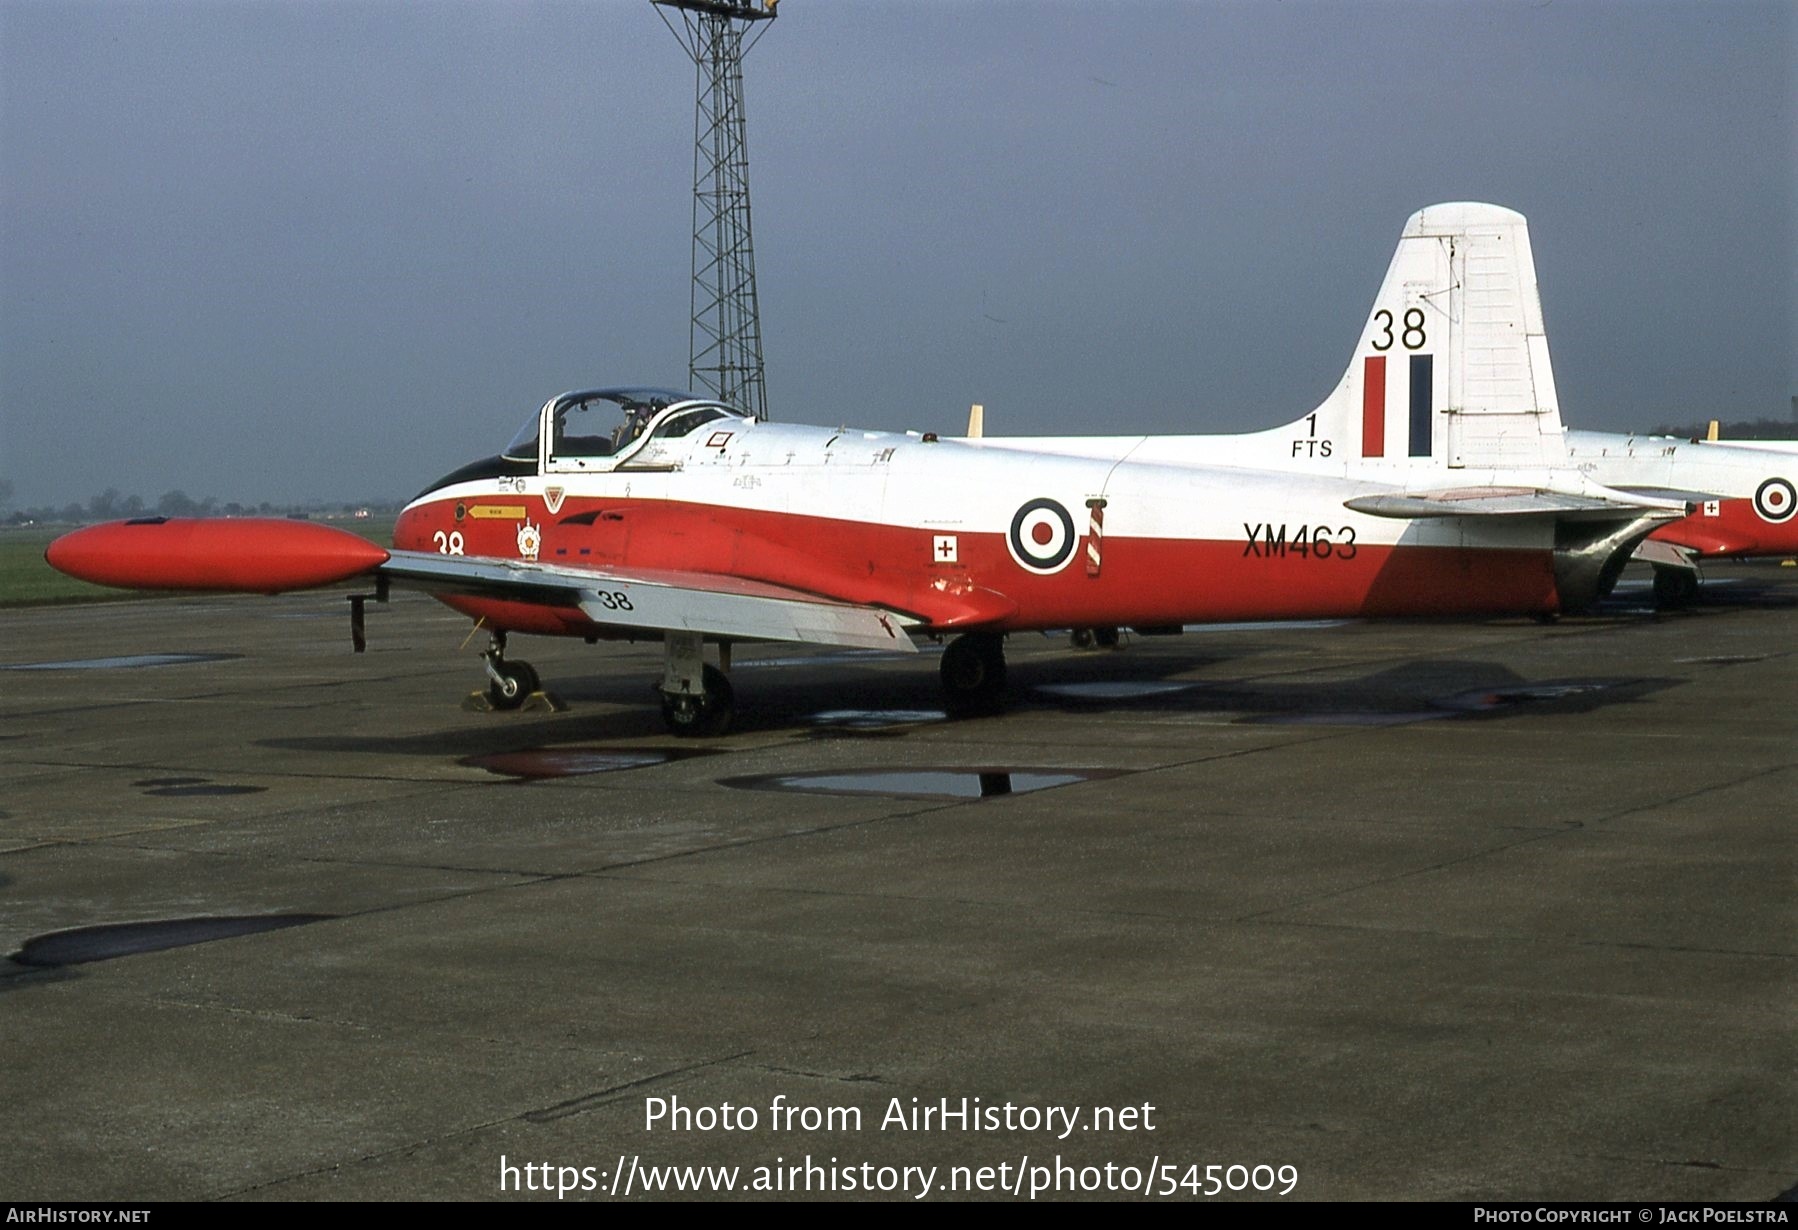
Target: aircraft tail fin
1452 369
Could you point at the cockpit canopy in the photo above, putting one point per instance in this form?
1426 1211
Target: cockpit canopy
604 423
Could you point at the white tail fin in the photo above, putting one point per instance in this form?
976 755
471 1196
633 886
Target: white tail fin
1452 369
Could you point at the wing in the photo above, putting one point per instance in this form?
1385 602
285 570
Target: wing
1600 504
658 600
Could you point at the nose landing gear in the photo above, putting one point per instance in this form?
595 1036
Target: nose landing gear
510 684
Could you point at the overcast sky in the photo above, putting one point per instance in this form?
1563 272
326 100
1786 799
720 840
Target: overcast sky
290 250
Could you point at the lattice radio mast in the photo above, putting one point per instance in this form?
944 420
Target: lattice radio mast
725 332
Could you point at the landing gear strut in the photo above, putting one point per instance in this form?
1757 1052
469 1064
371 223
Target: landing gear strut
1675 587
973 673
696 696
510 683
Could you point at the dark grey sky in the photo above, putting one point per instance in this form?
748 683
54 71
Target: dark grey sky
272 251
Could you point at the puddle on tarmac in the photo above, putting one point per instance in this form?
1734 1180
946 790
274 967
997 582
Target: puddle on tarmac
1483 700
931 783
1113 689
876 719
540 762
102 943
1726 659
130 661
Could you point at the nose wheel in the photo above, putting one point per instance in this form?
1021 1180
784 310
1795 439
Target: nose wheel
509 684
514 685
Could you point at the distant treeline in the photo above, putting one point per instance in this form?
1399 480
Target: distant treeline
112 505
1747 429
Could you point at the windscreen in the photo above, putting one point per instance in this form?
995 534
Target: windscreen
524 444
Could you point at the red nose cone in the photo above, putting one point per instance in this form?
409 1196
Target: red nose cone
252 554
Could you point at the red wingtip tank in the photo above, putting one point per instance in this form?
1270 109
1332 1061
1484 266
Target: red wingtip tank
261 555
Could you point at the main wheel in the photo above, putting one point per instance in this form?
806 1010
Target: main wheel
514 686
973 672
694 717
1675 588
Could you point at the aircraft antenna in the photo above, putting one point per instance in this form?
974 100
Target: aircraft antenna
725 331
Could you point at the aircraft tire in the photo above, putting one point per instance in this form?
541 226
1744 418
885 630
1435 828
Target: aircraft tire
521 680
1675 588
973 673
699 717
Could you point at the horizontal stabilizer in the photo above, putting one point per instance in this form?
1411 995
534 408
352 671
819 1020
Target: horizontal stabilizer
1512 502
661 600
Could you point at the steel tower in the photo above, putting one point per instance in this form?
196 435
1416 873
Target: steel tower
725 332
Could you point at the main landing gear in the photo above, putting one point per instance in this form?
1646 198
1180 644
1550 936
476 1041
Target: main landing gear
697 699
509 684
1675 588
696 696
973 673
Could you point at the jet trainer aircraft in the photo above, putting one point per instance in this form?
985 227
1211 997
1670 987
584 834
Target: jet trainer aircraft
1434 480
1742 493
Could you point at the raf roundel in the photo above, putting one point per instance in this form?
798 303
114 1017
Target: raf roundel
1042 537
1775 500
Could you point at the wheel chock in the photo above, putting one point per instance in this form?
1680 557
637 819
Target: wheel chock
540 702
545 702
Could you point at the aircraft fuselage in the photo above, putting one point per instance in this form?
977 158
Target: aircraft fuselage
963 535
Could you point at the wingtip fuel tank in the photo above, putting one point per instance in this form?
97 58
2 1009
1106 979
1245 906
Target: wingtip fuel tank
262 555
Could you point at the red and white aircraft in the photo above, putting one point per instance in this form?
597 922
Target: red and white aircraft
1434 480
1743 493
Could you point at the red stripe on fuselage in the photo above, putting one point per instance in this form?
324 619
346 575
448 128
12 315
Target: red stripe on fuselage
1146 582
